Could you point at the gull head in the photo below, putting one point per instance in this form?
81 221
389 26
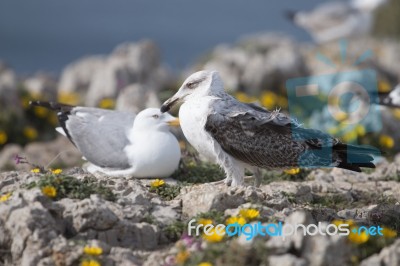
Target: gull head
153 119
197 85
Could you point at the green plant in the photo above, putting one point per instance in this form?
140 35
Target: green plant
175 230
217 217
193 171
166 191
71 187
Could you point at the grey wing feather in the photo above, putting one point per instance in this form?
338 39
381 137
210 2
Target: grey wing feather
101 135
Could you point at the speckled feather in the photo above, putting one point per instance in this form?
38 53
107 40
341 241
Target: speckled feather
270 139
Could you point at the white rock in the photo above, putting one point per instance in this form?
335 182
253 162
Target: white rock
137 97
286 260
76 76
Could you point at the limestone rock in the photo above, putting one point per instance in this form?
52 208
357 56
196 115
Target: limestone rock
203 198
388 256
286 260
76 76
136 97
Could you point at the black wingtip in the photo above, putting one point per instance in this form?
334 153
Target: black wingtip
35 103
48 105
63 111
52 105
356 167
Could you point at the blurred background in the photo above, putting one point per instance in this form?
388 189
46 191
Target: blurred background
130 55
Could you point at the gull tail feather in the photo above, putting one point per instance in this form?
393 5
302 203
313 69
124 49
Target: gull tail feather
55 106
353 157
63 111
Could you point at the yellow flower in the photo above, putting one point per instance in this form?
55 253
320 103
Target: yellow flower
293 171
3 137
35 170
182 256
204 221
235 219
204 264
333 130
243 97
68 97
52 119
384 86
157 183
57 171
387 232
93 251
269 99
396 113
386 141
41 112
30 133
357 238
5 197
214 235
107 103
25 102
90 263
49 191
349 136
360 129
282 102
340 116
249 214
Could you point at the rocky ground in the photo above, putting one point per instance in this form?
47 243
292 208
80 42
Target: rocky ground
139 222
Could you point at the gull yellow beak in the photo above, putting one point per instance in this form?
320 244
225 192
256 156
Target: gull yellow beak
174 123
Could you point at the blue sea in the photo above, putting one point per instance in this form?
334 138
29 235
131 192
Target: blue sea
48 34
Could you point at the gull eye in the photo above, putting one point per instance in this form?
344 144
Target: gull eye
156 116
191 85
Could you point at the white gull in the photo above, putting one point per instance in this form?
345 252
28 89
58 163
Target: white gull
119 143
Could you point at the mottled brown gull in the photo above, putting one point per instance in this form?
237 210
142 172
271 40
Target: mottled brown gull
237 135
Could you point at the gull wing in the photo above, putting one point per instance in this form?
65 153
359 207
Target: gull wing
268 139
101 135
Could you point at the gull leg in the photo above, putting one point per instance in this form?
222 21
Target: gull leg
234 171
257 177
237 175
228 181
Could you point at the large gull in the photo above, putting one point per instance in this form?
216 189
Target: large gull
237 135
336 20
119 143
